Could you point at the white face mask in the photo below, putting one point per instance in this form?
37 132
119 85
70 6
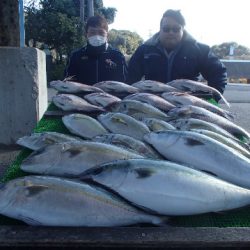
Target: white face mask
97 40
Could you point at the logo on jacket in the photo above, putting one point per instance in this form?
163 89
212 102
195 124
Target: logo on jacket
110 64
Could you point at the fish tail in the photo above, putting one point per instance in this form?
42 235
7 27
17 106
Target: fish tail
160 221
224 100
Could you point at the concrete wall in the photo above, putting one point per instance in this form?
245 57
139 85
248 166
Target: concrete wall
23 91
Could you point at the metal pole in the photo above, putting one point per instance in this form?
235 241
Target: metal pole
21 24
82 4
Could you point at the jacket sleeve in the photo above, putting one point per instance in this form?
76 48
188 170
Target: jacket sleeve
135 66
213 70
122 72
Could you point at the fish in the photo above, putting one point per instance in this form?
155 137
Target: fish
68 102
36 141
202 153
193 123
70 159
54 201
101 99
157 124
155 87
71 87
128 143
83 125
196 87
189 111
115 87
137 109
123 124
235 144
154 100
167 188
179 99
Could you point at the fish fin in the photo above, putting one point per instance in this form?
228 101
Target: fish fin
73 152
29 220
69 78
161 221
144 173
229 115
224 100
193 142
35 189
209 173
119 120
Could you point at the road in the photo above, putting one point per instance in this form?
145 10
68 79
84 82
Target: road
238 95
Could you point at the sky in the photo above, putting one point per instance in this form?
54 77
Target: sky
209 21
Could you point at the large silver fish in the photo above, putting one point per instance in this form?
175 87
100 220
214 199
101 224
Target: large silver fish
157 124
123 124
115 87
151 99
178 99
193 123
168 188
138 110
153 86
37 141
101 99
73 87
71 159
235 144
70 102
196 87
202 152
83 125
128 142
51 201
190 111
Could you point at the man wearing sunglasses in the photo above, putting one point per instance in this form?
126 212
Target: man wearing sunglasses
97 61
173 54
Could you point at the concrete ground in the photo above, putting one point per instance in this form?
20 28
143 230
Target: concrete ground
238 95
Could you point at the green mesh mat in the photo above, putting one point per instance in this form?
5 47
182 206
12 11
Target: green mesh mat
211 100
234 218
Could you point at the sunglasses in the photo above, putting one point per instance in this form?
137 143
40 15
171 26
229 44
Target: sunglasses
168 29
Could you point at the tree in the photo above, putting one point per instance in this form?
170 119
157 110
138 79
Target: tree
9 23
124 40
223 51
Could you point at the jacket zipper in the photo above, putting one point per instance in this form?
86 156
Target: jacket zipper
97 69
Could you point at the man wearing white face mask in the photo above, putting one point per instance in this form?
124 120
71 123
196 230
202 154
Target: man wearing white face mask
97 61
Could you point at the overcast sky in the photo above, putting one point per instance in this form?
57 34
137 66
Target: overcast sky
209 21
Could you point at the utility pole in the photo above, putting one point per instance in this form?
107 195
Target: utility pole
82 12
21 24
9 23
90 8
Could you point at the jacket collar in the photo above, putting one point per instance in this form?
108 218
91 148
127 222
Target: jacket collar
154 40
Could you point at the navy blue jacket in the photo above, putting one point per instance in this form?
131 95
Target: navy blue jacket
187 61
88 65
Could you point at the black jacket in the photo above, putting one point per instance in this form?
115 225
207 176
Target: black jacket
187 61
88 65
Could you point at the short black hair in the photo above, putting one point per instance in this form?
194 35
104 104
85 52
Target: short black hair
176 15
97 21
